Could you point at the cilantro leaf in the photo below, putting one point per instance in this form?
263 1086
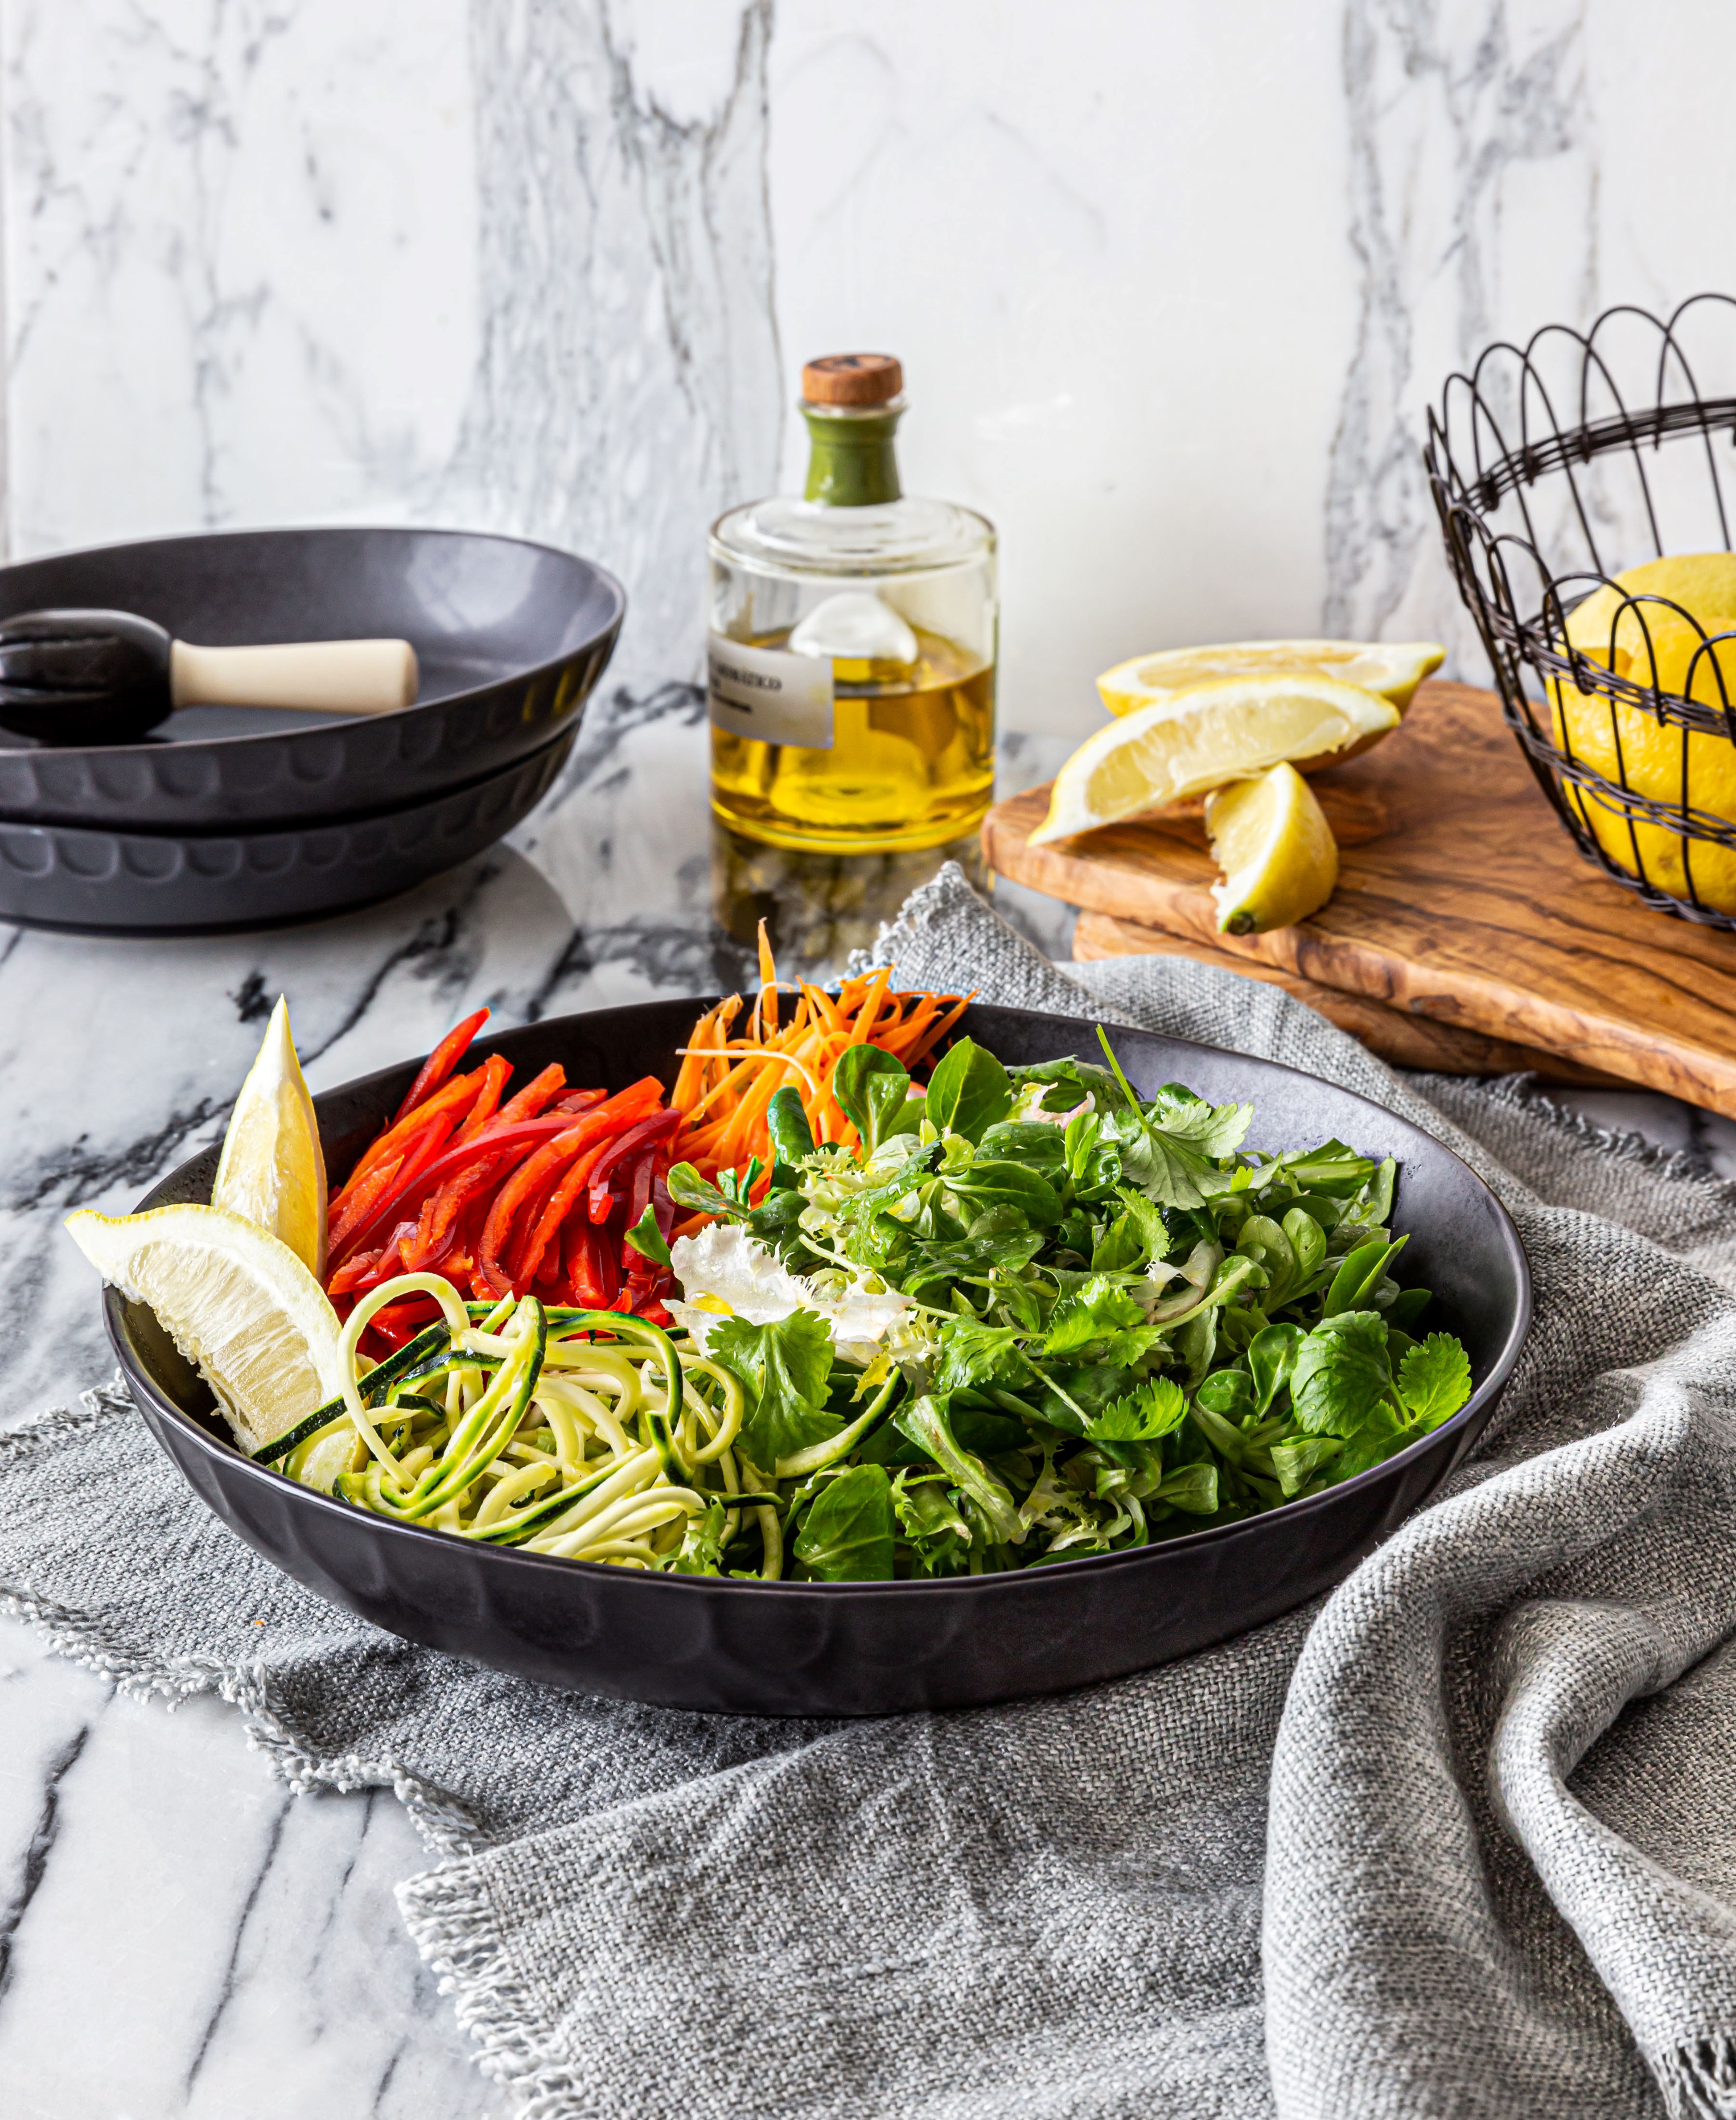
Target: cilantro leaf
1434 1379
1147 1220
1099 1310
1186 1118
1150 1410
1341 1372
785 1367
976 1357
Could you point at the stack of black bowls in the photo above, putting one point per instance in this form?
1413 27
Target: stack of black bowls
240 817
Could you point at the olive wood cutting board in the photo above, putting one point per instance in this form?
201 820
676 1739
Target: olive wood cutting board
1466 934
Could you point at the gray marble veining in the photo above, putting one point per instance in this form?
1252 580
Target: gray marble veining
628 381
1444 107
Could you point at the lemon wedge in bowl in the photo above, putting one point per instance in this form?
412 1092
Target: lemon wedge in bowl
1196 739
239 1303
1271 839
272 1170
1392 668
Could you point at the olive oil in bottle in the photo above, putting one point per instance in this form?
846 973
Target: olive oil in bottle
852 643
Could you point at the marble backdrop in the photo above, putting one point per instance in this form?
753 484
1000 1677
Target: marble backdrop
1173 283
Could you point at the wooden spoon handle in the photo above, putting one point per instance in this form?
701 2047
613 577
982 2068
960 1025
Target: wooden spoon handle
332 677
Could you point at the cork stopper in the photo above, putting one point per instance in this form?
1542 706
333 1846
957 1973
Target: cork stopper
852 378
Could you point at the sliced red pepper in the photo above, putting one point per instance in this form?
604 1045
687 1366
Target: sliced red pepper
540 1090
495 1073
441 1062
659 1127
522 1184
452 1099
581 1100
591 1270
364 1202
559 1205
496 1142
353 1272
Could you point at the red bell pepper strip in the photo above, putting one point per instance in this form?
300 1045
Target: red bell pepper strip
353 1272
441 1062
591 1270
526 1135
363 1203
581 1100
523 1183
555 1208
451 1100
541 1089
495 1072
659 1127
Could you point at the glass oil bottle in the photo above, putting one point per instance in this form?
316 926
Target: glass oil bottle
851 645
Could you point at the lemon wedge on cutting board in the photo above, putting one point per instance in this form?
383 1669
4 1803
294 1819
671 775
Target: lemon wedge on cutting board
1270 838
1188 742
272 1170
239 1303
1653 755
1392 668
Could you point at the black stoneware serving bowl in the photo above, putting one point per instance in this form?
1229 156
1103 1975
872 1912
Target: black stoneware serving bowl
864 1648
99 880
511 638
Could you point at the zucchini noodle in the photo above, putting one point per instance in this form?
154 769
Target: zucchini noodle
513 1424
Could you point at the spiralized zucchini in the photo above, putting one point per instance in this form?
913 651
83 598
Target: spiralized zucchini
517 1425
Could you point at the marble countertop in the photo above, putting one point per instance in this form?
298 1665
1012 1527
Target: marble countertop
179 1935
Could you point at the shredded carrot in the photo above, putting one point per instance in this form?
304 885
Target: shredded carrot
724 1086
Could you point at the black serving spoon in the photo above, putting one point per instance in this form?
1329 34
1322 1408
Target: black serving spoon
75 677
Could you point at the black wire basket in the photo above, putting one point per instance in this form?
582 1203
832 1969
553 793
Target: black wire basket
1553 467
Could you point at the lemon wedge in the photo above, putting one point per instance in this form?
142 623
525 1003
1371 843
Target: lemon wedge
1272 841
272 1170
239 1303
1392 668
1199 739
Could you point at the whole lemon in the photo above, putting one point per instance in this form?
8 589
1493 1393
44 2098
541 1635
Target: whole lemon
1627 743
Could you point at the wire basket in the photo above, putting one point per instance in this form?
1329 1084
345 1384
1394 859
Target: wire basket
1553 467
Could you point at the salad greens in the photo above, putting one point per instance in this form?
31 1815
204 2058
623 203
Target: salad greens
1036 1317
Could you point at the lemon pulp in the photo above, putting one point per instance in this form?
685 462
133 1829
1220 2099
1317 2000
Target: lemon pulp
272 1170
1394 669
1271 838
237 1302
1189 741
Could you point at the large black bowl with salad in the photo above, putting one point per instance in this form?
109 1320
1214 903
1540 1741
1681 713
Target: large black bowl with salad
1164 1363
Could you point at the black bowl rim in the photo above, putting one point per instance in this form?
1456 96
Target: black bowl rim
977 1586
289 828
530 670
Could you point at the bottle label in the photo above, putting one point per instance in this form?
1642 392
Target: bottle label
768 694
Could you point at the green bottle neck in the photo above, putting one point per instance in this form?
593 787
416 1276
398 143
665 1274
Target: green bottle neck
851 462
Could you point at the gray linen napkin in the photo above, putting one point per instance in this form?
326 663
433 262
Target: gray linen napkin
1496 1873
